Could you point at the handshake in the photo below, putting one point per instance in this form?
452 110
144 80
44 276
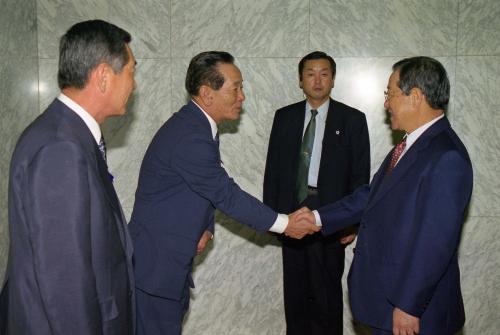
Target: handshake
301 223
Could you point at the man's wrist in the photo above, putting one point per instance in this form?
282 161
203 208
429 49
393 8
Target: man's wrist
280 224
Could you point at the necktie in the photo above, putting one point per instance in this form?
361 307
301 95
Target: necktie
305 158
396 153
102 148
218 146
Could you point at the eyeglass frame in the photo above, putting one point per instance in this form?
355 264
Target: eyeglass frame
388 96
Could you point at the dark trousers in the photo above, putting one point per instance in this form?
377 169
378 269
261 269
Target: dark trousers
312 274
158 315
376 331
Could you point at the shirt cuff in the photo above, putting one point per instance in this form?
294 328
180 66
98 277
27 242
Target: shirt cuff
318 219
280 224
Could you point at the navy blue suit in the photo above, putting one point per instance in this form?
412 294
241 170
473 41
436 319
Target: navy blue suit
70 257
181 183
410 226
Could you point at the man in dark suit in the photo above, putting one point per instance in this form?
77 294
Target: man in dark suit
405 277
70 258
181 182
338 162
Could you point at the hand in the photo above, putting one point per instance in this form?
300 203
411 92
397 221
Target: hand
404 323
301 223
207 236
348 239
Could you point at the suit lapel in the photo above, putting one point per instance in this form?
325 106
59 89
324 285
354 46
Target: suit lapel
198 116
110 192
378 178
84 136
106 179
82 133
386 183
294 132
333 123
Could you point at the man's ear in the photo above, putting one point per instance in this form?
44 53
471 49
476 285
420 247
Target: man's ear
417 96
206 95
100 75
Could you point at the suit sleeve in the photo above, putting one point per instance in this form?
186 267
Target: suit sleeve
440 210
59 226
271 173
345 212
196 159
360 154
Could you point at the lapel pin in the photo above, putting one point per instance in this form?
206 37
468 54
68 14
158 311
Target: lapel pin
337 132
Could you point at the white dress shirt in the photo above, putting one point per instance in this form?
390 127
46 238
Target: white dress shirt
281 222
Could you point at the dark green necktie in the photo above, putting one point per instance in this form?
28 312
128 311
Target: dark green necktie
305 157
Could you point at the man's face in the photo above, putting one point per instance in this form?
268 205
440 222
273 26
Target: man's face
317 80
398 105
121 86
228 100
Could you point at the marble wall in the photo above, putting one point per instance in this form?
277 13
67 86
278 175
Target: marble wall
238 279
18 92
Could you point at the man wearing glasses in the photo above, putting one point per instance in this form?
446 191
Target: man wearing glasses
404 278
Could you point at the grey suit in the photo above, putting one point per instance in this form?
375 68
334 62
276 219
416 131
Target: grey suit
70 269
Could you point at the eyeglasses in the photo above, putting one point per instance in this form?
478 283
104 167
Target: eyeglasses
388 95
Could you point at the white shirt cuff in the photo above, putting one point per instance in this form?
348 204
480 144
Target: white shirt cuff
280 224
318 219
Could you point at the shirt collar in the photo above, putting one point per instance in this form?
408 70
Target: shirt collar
414 135
84 115
322 110
213 125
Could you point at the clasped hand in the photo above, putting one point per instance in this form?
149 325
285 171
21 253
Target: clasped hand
301 223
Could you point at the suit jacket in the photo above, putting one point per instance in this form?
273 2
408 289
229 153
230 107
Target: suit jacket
181 182
345 156
70 257
410 225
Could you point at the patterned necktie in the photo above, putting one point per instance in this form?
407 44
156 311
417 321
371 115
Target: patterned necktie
305 158
102 148
396 153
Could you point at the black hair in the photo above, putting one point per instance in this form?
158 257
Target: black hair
317 55
203 70
427 74
87 44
